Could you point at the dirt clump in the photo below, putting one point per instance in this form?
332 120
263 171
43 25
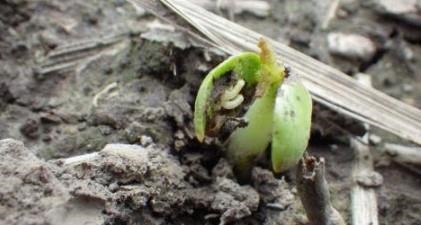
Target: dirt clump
126 183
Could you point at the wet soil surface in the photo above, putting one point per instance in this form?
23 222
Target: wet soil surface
76 76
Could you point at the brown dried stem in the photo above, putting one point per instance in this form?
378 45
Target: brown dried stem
314 192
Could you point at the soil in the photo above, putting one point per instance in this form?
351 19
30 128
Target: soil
135 85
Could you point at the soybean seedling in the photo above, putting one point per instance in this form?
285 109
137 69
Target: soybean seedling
267 103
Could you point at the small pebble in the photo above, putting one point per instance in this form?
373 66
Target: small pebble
113 186
404 10
407 87
374 139
396 7
351 46
370 179
145 140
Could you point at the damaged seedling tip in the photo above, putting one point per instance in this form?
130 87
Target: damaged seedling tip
275 108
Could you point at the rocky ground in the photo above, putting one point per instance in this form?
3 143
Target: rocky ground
79 77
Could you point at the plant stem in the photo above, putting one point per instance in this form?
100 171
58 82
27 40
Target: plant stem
246 143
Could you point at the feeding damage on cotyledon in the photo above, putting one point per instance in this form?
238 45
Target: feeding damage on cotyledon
260 103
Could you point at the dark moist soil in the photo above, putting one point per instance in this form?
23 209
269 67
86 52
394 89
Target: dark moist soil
135 86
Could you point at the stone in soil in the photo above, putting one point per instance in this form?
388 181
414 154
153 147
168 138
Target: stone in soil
351 46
